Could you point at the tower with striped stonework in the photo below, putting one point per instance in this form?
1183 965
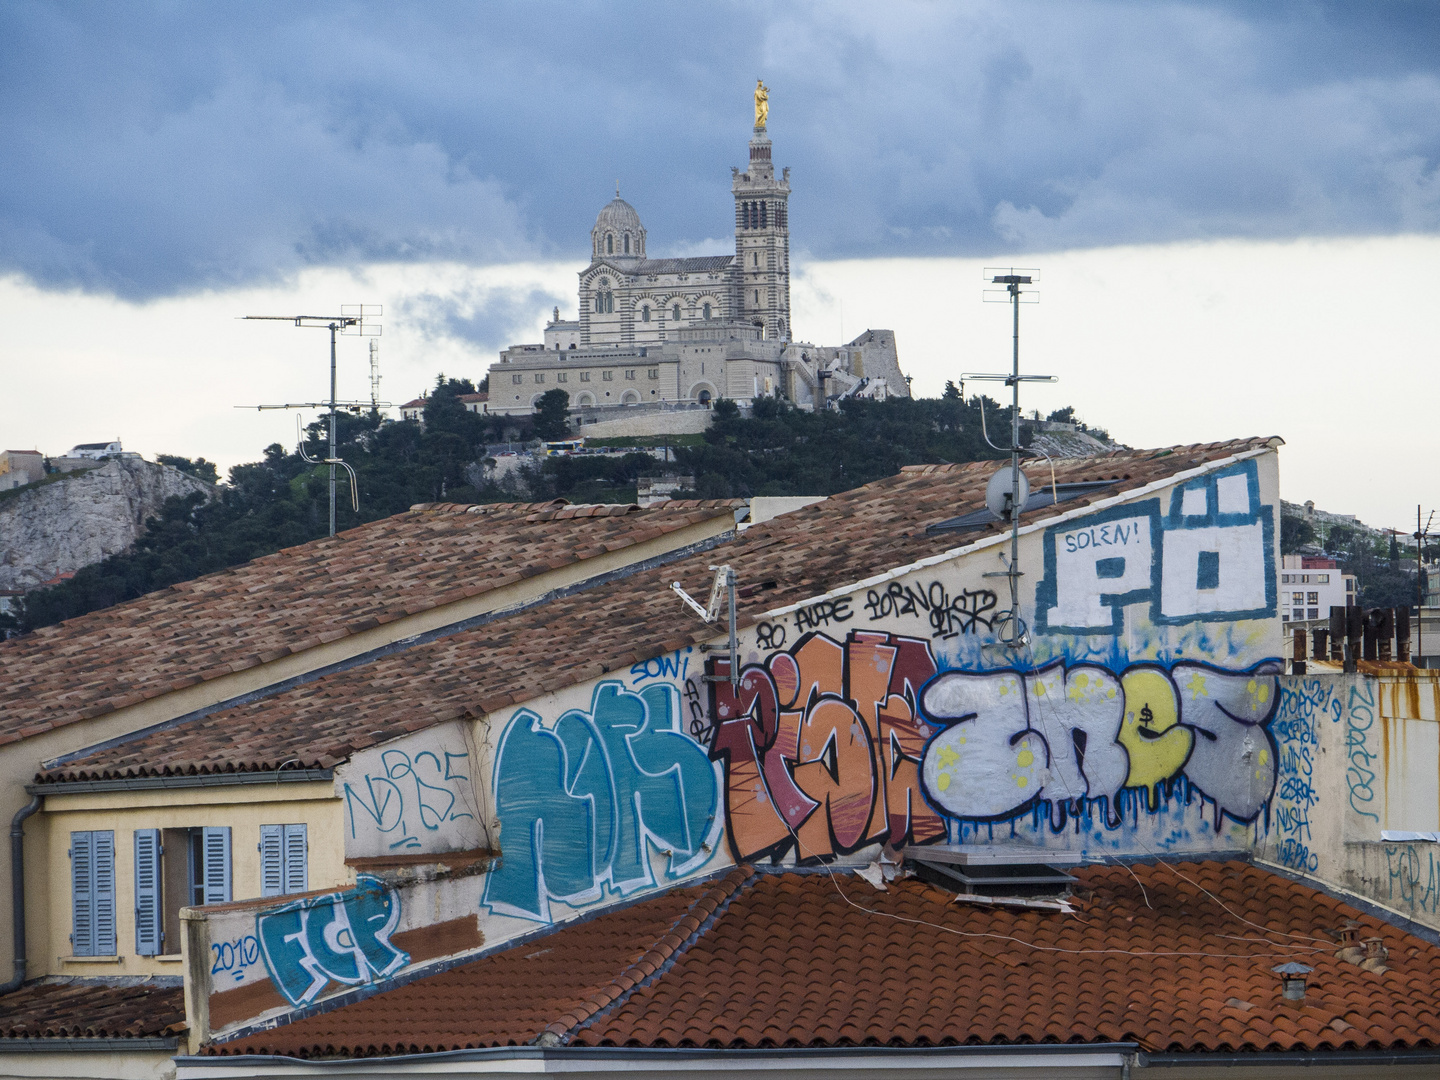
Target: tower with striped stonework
762 241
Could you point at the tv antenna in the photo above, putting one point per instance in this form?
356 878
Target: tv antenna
1011 504
351 320
374 374
721 589
1421 532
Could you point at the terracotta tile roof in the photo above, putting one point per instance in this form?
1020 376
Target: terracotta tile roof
790 558
1173 957
75 1009
560 979
300 597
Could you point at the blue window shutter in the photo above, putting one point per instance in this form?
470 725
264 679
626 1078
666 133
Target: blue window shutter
216 843
272 860
103 850
82 890
297 877
147 892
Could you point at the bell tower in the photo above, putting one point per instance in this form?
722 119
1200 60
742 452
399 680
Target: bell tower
762 234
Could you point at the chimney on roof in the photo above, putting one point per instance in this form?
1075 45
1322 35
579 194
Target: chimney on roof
1375 956
1350 949
1292 980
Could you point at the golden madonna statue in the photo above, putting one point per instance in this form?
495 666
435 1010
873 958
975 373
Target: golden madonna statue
762 104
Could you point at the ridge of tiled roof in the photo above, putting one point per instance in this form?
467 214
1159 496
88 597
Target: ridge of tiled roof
75 1009
488 668
302 596
1174 957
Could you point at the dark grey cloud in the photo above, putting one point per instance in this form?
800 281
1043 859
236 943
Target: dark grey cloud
157 149
487 317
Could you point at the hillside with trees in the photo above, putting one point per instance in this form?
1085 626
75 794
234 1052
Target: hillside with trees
282 499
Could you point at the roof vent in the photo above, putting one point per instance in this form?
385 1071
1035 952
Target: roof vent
996 872
1292 980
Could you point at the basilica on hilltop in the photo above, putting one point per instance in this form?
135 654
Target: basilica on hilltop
658 335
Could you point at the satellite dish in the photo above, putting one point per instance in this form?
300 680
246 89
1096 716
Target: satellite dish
999 490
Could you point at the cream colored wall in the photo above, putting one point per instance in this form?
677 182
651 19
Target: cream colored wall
243 808
89 1065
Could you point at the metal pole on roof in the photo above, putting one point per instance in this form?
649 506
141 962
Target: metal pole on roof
334 327
1013 286
1012 279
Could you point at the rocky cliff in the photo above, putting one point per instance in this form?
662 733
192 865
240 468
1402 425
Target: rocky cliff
59 527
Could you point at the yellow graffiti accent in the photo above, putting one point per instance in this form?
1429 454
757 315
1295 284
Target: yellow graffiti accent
948 757
942 781
1259 690
1196 686
1150 731
1039 689
1025 758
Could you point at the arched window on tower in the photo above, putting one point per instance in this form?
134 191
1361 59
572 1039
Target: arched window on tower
645 313
627 243
675 312
609 244
705 311
763 225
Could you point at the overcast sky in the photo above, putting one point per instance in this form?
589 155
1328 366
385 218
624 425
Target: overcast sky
168 164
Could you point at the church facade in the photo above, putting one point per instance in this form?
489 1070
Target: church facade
670 334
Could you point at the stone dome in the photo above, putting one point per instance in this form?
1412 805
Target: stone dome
618 231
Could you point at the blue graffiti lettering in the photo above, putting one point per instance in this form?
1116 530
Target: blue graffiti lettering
675 666
342 937
1418 888
1358 774
235 956
582 804
1206 560
1297 736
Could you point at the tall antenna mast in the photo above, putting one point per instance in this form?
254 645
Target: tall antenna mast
351 320
1421 532
374 374
1012 278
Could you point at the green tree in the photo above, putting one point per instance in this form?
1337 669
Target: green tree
1295 533
552 415
204 470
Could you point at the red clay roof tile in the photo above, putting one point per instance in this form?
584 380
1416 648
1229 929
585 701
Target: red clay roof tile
297 598
76 1009
804 553
804 959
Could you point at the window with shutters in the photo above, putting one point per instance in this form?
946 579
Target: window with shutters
283 860
92 893
149 894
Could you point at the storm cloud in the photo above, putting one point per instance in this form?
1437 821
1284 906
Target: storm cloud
154 150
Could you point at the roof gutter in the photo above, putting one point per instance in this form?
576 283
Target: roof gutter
17 890
1347 1059
82 1045
157 783
577 1061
